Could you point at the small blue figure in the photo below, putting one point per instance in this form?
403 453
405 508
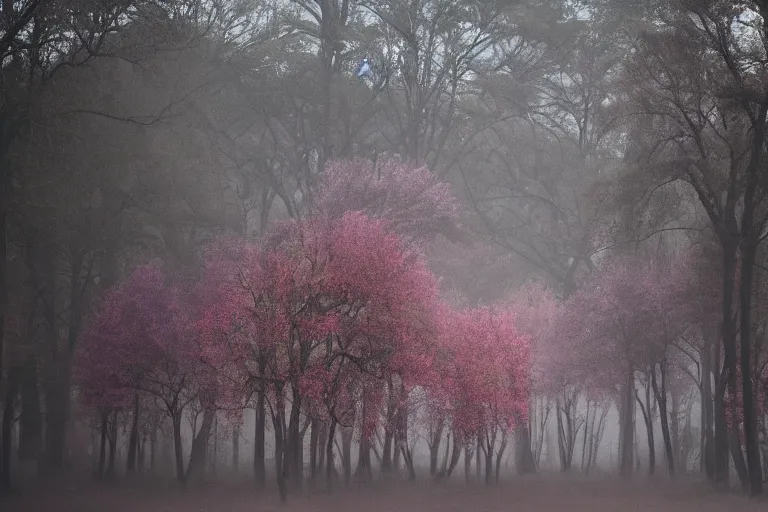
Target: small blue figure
364 70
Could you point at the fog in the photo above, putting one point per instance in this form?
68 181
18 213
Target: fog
334 254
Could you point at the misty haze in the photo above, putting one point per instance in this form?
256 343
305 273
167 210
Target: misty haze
383 255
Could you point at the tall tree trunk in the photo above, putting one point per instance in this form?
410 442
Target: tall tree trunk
259 438
291 466
109 474
386 452
178 452
626 453
14 383
313 447
467 462
455 455
31 421
752 446
720 448
749 244
278 425
648 420
199 451
499 455
321 442
363 472
330 467
133 439
103 443
707 413
434 447
730 364
346 454
661 399
524 461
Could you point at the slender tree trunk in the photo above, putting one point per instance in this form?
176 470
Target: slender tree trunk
467 462
330 464
648 420
661 399
133 439
434 448
720 448
314 427
455 455
364 473
500 454
524 461
346 454
103 444
749 249
14 383
31 421
321 443
278 425
199 450
478 455
178 448
259 448
627 425
110 472
707 415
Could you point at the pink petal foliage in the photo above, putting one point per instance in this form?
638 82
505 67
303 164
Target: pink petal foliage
491 363
331 309
626 317
331 305
414 201
140 340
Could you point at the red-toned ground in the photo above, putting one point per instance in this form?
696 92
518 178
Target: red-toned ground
528 494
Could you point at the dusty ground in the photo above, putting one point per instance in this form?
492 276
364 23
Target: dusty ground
529 494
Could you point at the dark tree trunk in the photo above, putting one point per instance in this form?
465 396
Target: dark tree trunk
103 444
661 399
31 422
363 472
346 454
707 413
278 424
386 452
259 438
321 442
467 462
330 467
499 455
178 448
133 439
434 449
751 444
627 425
199 451
292 467
524 462
730 363
140 463
110 472
720 449
14 383
314 435
455 455
648 420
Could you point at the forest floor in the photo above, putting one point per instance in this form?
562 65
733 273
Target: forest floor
540 493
